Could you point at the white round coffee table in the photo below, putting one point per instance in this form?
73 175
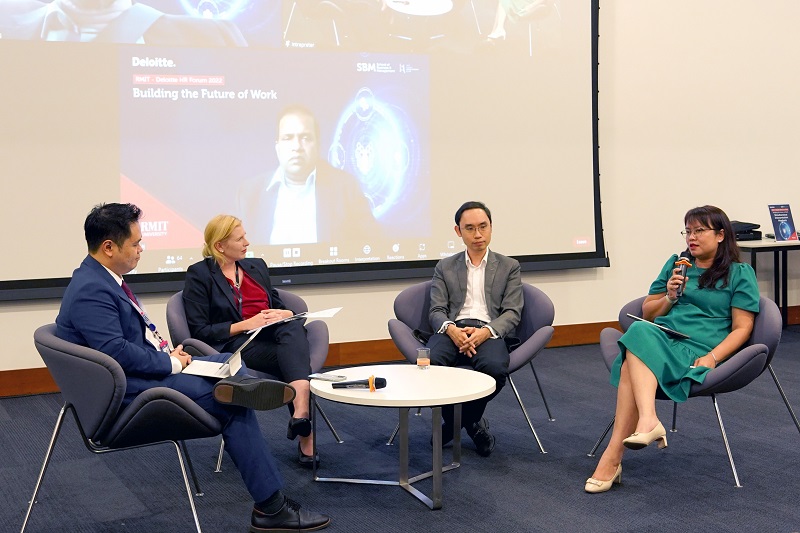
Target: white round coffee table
406 387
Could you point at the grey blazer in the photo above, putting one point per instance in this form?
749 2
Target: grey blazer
503 290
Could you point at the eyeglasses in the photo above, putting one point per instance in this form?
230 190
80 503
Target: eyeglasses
696 232
470 230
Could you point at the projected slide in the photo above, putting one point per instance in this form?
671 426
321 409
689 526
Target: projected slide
344 133
200 135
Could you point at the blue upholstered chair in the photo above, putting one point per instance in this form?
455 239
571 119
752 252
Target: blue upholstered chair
736 372
93 385
318 339
534 331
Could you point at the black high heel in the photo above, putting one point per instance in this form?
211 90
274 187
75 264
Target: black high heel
298 427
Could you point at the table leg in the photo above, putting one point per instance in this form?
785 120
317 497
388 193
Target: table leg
776 274
313 432
456 435
436 466
784 287
434 502
403 431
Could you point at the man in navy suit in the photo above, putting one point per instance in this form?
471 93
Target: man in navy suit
97 312
476 302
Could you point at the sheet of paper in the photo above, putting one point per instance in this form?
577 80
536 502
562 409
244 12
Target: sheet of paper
325 313
208 369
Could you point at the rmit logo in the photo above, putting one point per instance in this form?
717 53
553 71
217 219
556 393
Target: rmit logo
366 67
154 227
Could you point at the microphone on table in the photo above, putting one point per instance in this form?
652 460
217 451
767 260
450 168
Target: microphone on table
371 383
684 263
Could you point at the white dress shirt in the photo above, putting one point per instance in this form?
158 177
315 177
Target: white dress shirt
295 217
475 300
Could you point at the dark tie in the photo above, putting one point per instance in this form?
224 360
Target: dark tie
129 292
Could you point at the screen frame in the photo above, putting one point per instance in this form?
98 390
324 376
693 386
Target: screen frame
171 282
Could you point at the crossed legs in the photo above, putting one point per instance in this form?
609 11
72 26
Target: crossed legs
635 412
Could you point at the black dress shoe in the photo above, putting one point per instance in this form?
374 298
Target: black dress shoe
254 393
290 518
304 460
298 426
479 433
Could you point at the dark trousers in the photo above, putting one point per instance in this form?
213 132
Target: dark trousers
281 350
491 358
244 442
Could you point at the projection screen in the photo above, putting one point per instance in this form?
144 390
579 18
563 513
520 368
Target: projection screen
419 105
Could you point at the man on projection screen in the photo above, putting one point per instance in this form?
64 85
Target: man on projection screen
305 200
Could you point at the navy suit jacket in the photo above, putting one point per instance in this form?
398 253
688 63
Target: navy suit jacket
502 290
210 305
95 312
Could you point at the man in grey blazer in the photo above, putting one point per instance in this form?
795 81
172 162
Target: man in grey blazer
476 301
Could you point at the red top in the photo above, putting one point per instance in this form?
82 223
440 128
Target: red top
254 298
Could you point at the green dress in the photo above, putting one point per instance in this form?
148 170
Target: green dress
703 314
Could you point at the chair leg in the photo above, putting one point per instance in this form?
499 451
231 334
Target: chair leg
335 33
725 440
390 442
197 490
219 457
525 412
674 418
602 438
327 421
783 395
541 392
289 20
188 487
47 456
530 39
475 16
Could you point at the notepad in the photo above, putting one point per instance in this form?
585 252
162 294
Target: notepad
325 313
225 369
665 329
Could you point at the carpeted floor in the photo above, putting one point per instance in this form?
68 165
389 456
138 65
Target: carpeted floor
686 487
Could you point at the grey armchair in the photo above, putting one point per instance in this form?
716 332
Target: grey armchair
93 385
318 339
737 371
534 332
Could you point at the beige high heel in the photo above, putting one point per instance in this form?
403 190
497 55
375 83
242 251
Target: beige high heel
499 35
595 486
637 441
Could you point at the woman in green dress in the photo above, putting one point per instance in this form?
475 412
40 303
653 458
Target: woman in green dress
716 310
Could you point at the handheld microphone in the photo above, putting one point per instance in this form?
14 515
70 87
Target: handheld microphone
684 263
371 383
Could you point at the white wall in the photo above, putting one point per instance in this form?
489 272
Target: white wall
697 105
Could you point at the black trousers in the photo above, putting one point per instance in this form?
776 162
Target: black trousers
281 350
491 358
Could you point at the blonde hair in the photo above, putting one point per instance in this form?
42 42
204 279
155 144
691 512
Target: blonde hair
217 230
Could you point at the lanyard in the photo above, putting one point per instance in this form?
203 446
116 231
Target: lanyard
236 289
163 345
